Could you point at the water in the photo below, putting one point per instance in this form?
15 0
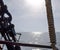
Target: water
37 38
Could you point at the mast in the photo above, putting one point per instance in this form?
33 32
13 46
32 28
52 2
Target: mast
51 24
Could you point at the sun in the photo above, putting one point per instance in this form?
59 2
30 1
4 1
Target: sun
34 3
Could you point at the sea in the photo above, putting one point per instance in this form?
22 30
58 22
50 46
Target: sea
36 38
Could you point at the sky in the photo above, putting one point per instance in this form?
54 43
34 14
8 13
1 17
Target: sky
30 16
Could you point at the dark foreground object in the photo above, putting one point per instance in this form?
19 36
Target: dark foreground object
24 44
17 48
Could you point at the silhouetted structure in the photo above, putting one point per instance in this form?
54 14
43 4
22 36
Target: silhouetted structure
6 27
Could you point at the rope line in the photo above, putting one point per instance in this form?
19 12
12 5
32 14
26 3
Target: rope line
51 24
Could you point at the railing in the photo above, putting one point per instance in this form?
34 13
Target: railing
25 44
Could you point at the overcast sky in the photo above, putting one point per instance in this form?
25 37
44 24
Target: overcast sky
28 19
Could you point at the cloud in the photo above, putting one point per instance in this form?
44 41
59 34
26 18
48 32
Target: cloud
56 13
26 19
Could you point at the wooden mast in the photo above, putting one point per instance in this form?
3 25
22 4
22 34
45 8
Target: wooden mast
51 24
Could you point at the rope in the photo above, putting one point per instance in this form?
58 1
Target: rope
51 24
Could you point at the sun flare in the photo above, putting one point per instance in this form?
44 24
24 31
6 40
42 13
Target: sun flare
37 33
35 3
36 49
